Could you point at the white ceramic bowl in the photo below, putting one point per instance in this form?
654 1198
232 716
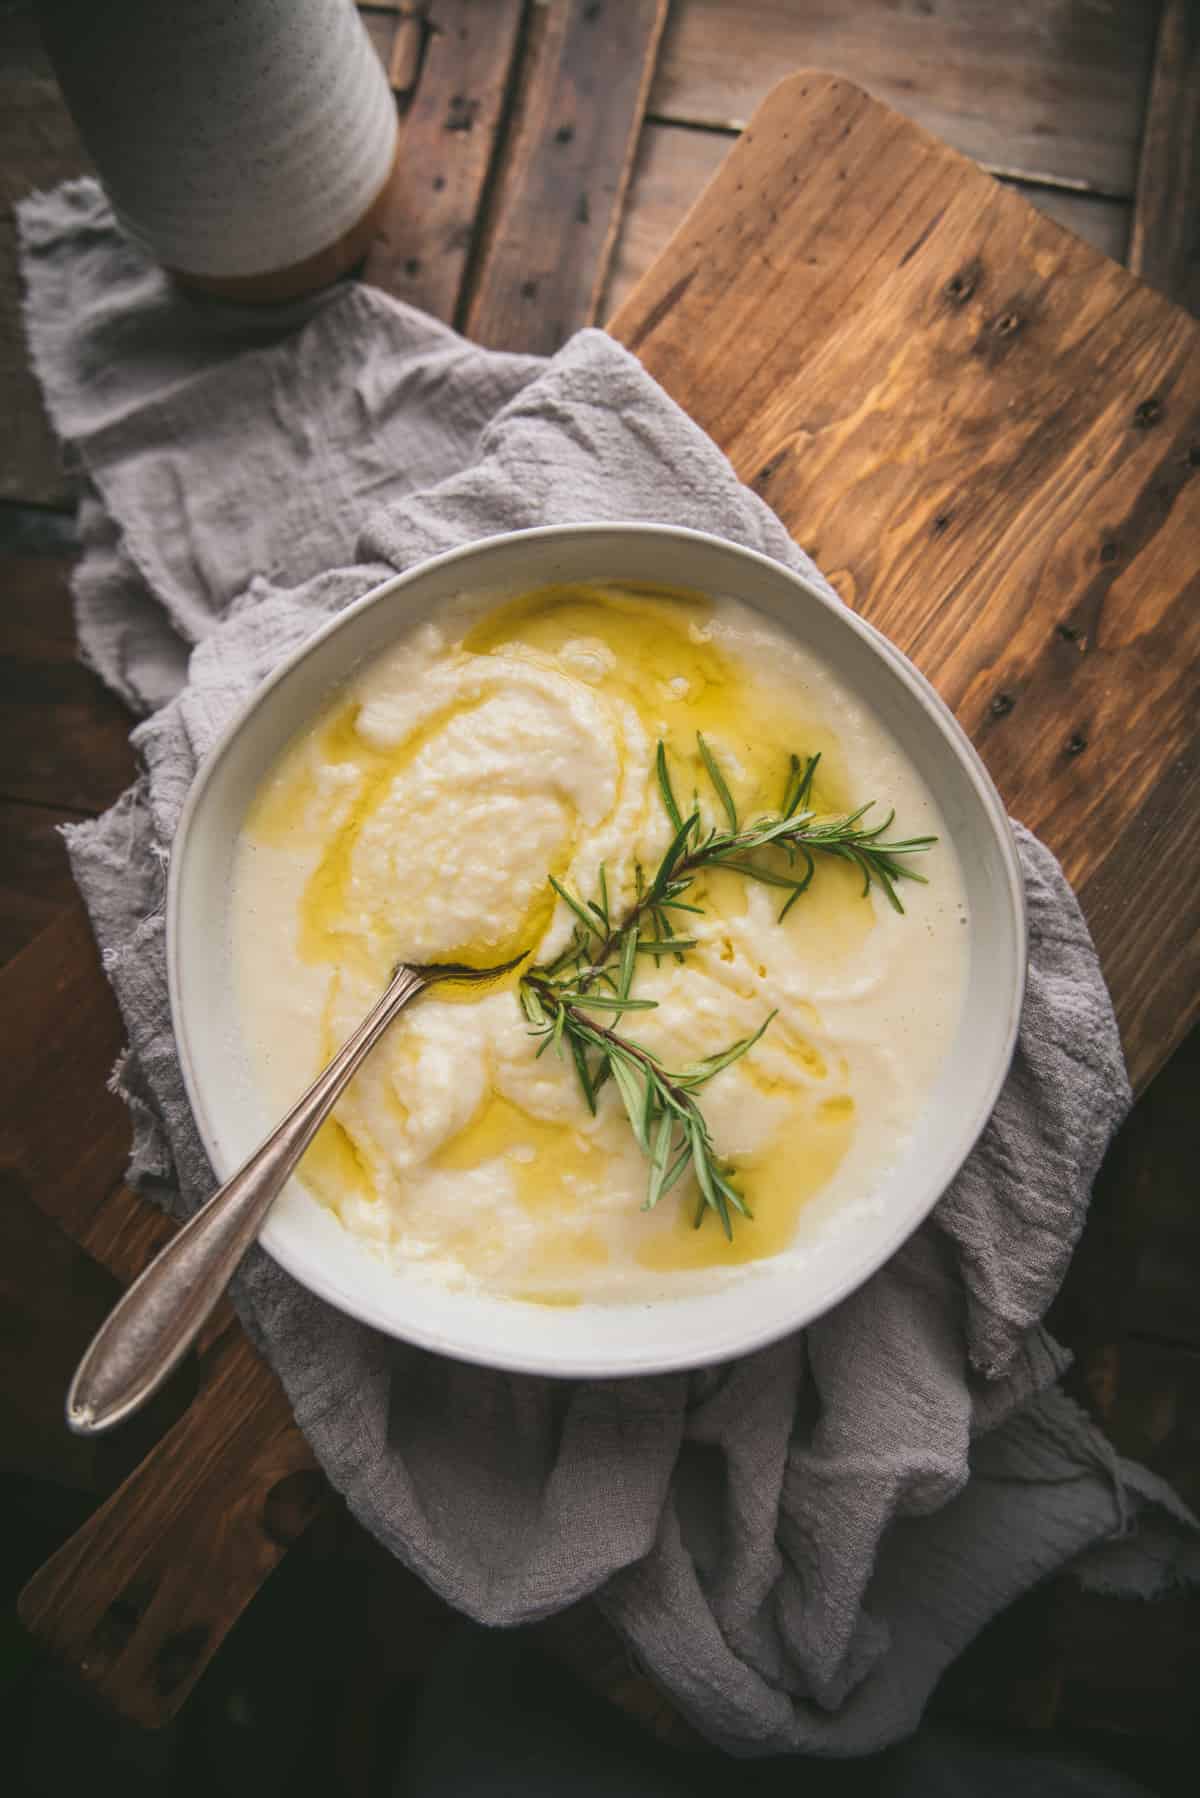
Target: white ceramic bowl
771 1298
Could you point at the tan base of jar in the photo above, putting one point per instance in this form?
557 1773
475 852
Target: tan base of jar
319 270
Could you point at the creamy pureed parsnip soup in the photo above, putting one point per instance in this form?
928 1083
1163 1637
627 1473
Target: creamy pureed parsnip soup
419 820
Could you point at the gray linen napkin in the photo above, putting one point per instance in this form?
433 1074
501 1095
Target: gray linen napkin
795 1544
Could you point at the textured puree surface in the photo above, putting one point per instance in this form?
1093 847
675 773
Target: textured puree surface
419 819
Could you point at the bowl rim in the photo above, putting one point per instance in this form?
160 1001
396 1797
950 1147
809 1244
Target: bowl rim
889 1241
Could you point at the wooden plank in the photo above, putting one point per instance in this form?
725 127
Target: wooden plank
673 166
141 1598
1146 1398
1136 1270
582 1640
64 738
38 147
1047 89
1161 1191
675 163
54 1294
35 880
448 139
52 1298
138 1600
64 1137
989 437
1102 222
1126 1668
578 111
60 1034
1165 248
1064 1659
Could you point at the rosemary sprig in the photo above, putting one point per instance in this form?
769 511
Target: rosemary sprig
796 829
666 1120
597 969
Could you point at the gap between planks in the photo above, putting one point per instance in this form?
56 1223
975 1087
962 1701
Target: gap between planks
1045 88
556 201
1164 247
675 162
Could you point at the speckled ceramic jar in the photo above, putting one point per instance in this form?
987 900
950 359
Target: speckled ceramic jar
245 144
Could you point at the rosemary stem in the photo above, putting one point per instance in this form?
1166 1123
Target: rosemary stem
685 867
621 1044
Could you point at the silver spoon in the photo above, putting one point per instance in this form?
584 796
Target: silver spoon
152 1327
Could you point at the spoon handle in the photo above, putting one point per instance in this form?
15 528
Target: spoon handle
155 1323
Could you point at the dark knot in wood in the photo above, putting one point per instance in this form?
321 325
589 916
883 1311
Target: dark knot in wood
291 1505
178 1658
118 1624
767 470
461 113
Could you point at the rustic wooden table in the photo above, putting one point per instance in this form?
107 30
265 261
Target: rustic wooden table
989 436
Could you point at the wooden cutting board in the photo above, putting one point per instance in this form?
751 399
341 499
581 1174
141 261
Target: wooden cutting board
989 437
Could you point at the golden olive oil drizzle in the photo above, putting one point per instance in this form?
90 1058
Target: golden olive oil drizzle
666 665
529 1148
801 1159
678 680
